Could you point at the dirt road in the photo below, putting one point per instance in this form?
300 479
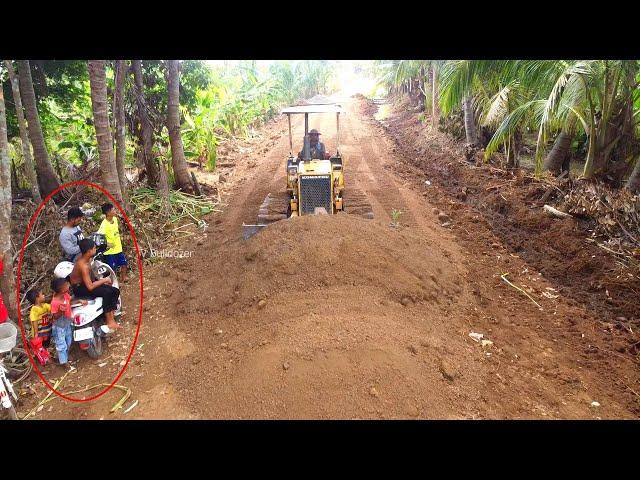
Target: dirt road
343 317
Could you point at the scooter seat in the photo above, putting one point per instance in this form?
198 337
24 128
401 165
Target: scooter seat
92 303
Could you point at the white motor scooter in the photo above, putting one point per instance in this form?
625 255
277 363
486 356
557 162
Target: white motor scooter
89 326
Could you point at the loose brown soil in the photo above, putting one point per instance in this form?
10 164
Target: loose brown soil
343 317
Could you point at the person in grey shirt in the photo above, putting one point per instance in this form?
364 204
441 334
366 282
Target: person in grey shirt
71 234
316 147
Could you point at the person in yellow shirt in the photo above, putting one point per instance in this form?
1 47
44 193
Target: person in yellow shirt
114 256
40 316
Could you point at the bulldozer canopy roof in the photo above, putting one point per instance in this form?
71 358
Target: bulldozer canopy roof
331 108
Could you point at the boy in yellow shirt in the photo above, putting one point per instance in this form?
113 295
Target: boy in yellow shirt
40 316
114 256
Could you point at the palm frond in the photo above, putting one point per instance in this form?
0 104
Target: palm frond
511 123
498 106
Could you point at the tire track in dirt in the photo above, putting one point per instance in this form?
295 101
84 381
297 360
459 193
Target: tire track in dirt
376 181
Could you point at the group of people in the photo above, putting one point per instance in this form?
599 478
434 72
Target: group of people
53 320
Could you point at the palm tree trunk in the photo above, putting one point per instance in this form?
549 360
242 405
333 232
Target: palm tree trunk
469 122
109 173
511 149
180 171
163 184
24 136
56 163
556 158
6 279
47 180
146 130
14 176
435 114
633 183
121 145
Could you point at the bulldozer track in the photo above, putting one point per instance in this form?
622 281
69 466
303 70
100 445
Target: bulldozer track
356 203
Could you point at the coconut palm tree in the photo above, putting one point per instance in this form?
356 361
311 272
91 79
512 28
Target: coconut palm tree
434 67
24 136
179 163
595 96
146 129
6 280
47 180
555 161
108 170
633 183
459 82
413 76
121 145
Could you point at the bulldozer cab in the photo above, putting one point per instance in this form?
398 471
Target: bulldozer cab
306 110
314 185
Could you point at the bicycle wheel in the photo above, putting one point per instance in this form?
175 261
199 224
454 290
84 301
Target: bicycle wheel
18 365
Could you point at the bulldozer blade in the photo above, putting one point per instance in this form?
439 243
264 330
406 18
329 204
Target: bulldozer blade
274 208
249 231
274 217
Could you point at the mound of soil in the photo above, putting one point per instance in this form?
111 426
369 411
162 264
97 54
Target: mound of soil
308 254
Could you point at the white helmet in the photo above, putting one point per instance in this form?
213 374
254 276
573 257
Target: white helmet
63 270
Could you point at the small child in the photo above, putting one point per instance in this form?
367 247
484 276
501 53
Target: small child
40 316
62 318
114 256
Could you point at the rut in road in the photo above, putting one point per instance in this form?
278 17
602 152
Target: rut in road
344 317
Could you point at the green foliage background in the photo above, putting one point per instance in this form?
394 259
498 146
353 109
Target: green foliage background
215 101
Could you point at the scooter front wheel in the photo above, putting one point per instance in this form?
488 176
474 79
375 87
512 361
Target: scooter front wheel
95 347
11 413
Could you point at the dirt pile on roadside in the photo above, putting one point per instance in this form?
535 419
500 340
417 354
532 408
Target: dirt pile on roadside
511 203
367 107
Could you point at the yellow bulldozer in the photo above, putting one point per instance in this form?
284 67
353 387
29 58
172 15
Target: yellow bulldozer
314 185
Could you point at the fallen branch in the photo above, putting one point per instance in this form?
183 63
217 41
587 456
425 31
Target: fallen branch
17 254
33 284
48 398
556 213
76 192
611 251
131 407
504 278
627 233
632 390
